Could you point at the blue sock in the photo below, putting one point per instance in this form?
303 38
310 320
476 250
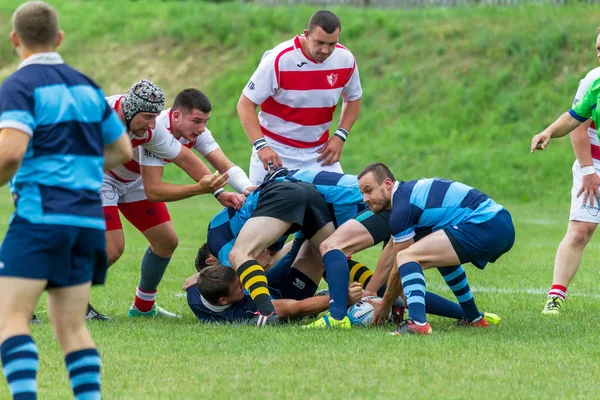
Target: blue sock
281 267
456 278
20 361
438 305
84 373
153 269
338 275
413 283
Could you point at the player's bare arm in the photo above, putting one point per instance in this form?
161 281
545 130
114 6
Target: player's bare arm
561 127
381 308
331 151
117 152
157 190
590 179
13 144
247 112
238 179
382 270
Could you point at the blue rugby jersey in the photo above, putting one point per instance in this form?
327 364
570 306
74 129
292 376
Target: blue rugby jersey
69 122
339 190
423 206
207 312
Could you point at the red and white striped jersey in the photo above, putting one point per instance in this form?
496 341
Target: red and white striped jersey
584 85
204 143
159 142
298 96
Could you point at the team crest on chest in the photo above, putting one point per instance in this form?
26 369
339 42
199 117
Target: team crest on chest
332 78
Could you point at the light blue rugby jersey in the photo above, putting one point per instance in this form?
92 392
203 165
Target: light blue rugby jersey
427 205
69 122
340 192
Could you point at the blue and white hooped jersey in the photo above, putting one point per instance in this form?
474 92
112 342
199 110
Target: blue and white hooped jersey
69 122
427 205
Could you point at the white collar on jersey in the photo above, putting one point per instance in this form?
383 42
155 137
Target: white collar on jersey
42 58
214 308
396 185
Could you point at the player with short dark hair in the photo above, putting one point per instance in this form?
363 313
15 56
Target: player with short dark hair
436 223
57 134
297 86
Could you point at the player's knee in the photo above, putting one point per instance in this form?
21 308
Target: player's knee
580 236
166 246
328 245
405 256
114 251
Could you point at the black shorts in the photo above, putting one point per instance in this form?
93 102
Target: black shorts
378 225
299 203
293 285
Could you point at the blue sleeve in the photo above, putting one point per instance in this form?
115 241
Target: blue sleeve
403 218
112 126
17 106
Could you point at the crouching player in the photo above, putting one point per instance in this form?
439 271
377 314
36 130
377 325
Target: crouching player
457 224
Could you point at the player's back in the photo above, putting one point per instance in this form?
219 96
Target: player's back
432 204
65 113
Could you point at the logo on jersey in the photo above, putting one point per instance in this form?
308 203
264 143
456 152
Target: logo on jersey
251 85
299 284
332 78
303 63
150 154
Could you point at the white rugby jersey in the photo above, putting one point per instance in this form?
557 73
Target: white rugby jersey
159 142
298 96
204 143
584 85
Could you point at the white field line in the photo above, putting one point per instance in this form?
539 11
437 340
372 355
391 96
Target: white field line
530 291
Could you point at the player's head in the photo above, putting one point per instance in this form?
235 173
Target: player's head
376 183
278 172
35 28
191 111
322 34
141 105
220 285
204 258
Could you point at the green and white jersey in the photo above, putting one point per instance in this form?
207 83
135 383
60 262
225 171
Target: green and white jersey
584 86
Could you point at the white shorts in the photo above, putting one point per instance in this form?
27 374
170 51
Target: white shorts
579 211
292 158
114 191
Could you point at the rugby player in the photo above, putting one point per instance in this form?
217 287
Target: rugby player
57 134
136 188
453 223
298 85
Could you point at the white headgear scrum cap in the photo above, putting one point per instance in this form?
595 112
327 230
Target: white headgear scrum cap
144 96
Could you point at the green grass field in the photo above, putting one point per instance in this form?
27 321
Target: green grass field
527 356
456 93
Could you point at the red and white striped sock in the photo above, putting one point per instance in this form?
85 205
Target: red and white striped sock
144 301
558 291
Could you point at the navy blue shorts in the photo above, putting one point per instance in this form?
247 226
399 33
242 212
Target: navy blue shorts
61 254
293 285
484 242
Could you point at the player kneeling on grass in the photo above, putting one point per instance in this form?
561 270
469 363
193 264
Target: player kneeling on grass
455 224
216 294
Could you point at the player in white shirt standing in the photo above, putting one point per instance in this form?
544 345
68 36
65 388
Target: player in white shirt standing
297 86
136 189
585 202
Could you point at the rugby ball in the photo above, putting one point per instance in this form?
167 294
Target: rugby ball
361 313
